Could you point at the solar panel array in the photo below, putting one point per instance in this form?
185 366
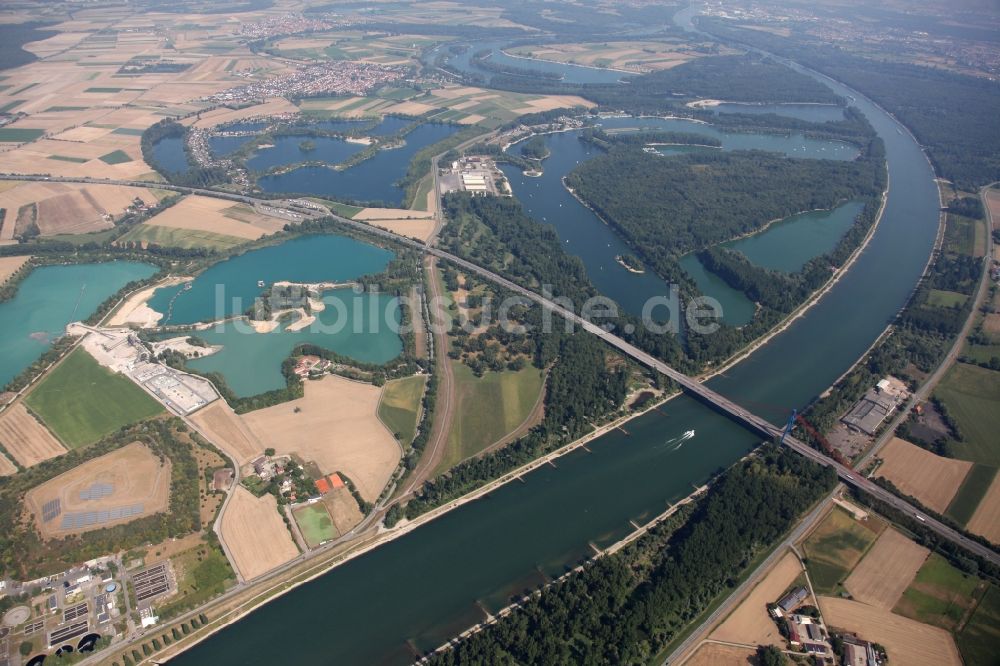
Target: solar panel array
51 509
150 582
73 612
33 627
67 631
72 521
97 491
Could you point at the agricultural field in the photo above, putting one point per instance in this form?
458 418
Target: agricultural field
972 397
932 479
149 234
750 622
986 519
835 546
227 431
25 439
713 654
626 56
11 265
315 523
886 570
357 46
255 534
71 208
399 407
336 426
946 299
979 638
906 641
511 396
198 221
126 477
940 594
413 223
6 467
80 401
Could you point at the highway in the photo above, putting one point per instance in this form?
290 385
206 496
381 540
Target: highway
692 386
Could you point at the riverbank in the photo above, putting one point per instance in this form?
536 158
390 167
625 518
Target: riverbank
570 64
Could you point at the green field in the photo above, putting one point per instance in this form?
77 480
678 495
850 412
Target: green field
963 235
344 210
81 402
315 523
186 238
103 90
204 573
488 408
400 405
972 396
981 353
116 157
128 131
11 105
834 548
970 493
939 595
979 638
939 298
53 109
64 158
19 134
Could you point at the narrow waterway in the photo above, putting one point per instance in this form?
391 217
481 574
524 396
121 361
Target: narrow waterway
414 592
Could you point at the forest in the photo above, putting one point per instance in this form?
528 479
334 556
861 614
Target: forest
627 607
952 115
194 176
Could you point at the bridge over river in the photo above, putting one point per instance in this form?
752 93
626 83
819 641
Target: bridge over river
688 384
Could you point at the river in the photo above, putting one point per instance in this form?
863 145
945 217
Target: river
419 589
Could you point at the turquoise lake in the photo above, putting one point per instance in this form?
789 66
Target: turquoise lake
230 287
51 297
361 326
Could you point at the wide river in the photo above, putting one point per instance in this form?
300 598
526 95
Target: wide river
413 593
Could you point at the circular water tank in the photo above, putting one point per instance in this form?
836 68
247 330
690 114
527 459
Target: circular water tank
111 587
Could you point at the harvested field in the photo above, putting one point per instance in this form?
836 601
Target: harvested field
255 534
337 427
930 478
129 476
221 426
906 641
216 216
886 570
750 622
368 214
713 654
835 546
6 467
24 438
418 229
270 108
986 520
71 208
343 508
10 265
993 202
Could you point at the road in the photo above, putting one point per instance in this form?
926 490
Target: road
924 392
692 386
736 597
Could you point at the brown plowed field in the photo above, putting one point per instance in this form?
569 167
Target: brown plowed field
224 428
25 438
10 265
713 654
6 467
255 534
750 622
886 570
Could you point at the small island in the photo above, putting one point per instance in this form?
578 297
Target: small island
307 146
631 263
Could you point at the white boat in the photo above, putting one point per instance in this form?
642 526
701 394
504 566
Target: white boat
260 283
689 434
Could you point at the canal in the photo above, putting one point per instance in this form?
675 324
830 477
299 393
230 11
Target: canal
412 593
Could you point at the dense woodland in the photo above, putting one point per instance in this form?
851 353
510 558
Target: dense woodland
625 608
954 116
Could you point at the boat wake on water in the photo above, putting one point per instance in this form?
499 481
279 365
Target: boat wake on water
676 443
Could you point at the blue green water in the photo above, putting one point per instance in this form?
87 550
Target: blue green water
789 244
51 297
568 73
360 326
230 286
222 146
287 150
373 180
737 309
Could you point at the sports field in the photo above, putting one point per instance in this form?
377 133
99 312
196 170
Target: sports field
80 401
488 408
972 396
835 547
315 523
400 405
